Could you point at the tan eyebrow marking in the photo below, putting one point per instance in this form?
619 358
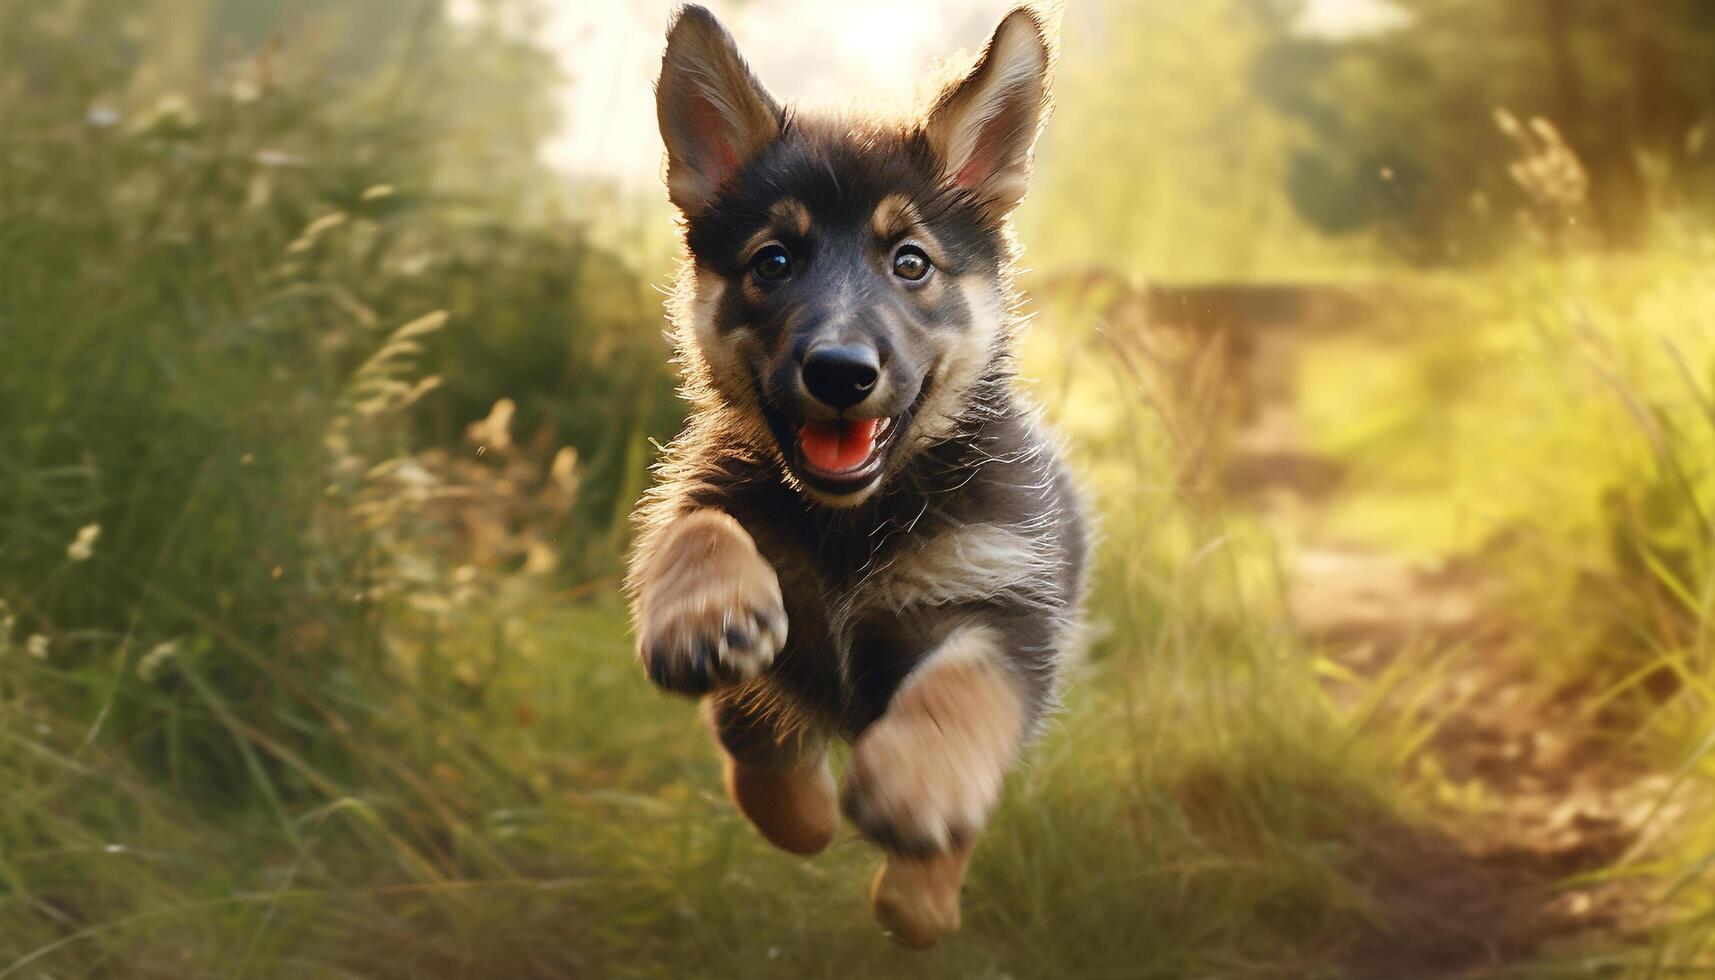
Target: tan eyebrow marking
897 217
789 212
785 215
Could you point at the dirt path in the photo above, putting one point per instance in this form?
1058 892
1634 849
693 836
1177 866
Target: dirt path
1542 794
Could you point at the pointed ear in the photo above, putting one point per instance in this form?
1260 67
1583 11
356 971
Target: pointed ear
714 115
984 126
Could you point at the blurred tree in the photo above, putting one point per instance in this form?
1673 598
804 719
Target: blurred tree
469 77
1157 131
1399 133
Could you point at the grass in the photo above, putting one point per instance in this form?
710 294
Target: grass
487 786
561 817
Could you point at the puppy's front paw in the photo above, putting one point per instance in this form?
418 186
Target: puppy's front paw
712 637
913 790
924 776
713 615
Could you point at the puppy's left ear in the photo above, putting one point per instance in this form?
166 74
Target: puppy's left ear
984 126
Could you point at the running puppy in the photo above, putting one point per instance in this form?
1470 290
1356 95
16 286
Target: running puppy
864 531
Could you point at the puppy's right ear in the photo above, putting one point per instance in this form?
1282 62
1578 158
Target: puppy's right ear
714 114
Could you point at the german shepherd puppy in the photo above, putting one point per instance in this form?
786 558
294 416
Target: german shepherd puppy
864 531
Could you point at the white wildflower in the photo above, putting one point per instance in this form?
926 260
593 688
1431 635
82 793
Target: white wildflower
83 546
37 646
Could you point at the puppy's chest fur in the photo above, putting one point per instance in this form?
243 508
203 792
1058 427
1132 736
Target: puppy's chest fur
983 527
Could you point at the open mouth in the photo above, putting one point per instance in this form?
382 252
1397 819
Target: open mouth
843 454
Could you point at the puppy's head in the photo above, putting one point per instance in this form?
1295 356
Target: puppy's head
847 284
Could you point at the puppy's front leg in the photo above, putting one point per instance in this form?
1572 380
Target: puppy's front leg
924 777
709 611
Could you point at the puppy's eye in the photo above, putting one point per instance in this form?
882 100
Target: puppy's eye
771 263
911 263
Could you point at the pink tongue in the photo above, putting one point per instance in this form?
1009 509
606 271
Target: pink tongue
837 446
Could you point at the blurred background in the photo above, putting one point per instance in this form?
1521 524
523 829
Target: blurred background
332 360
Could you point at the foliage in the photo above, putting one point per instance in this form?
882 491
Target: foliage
1398 131
1156 133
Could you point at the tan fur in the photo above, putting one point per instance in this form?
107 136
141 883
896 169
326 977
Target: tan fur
715 378
775 766
893 217
896 218
794 807
785 216
932 767
962 363
792 215
722 366
703 575
916 899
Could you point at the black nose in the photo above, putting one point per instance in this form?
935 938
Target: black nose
841 376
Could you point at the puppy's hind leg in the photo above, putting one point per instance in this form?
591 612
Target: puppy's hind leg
916 897
775 772
924 777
